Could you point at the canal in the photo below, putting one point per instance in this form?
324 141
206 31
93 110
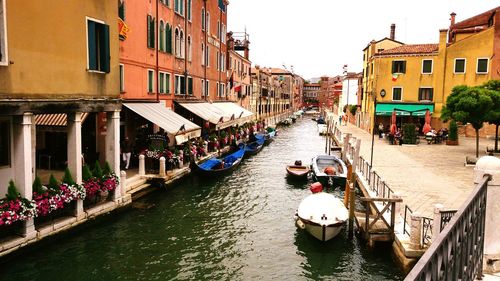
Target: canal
236 228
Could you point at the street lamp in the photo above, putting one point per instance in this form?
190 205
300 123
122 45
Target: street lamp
347 101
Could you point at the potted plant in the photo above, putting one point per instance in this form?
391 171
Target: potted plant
109 179
452 133
409 135
15 208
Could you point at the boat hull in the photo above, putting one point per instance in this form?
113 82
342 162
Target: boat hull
297 171
320 162
218 172
320 232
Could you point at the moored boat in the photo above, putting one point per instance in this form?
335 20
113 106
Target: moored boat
254 147
268 136
321 214
329 170
221 166
298 170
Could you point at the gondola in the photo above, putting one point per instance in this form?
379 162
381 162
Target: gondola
329 170
254 147
268 136
221 166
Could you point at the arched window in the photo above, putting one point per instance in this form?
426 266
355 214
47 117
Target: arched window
177 43
182 46
162 37
168 38
189 48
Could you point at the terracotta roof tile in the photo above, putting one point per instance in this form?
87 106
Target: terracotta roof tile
478 20
411 49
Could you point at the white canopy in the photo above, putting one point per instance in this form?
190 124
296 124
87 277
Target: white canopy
235 111
177 127
222 116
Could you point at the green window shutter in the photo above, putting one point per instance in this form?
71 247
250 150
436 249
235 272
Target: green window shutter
169 39
393 67
403 70
183 85
160 79
104 48
167 83
203 19
189 9
190 85
152 29
92 45
149 31
162 37
431 94
181 7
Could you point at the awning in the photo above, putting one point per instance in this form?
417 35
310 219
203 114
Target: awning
385 109
211 113
177 127
55 119
238 113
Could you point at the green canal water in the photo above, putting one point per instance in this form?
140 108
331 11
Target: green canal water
236 228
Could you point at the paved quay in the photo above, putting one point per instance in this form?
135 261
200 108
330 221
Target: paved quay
424 174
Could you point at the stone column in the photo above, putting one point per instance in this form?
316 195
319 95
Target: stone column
113 145
490 165
23 164
397 208
346 146
74 128
416 231
123 182
162 167
436 226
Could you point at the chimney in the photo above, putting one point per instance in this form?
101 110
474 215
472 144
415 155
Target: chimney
393 31
452 19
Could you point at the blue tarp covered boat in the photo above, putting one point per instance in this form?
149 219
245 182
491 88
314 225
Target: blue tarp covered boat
254 147
220 166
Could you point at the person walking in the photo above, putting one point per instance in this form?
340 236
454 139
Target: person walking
126 152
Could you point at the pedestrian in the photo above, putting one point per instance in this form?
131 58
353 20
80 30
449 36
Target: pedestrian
380 130
126 152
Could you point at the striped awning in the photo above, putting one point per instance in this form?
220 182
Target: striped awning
55 119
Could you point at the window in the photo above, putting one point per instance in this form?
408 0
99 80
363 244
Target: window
177 44
426 66
98 46
203 54
459 66
5 143
203 19
202 87
397 94
218 29
122 78
207 88
398 66
168 38
179 7
425 94
207 56
180 85
165 2
218 60
3 34
190 86
164 80
207 24
151 81
151 32
189 52
181 45
121 10
482 66
222 6
189 9
162 37
218 89
222 62
223 35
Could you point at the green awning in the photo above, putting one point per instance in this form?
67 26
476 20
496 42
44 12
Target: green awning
385 109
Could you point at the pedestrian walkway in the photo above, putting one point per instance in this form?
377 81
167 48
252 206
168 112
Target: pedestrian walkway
424 174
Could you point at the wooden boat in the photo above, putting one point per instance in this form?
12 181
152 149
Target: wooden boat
322 215
297 170
221 166
254 147
329 170
268 136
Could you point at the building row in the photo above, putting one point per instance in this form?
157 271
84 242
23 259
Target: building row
103 71
413 78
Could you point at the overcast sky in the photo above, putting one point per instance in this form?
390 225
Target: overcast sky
318 37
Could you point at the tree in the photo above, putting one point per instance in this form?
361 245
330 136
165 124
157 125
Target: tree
493 117
469 105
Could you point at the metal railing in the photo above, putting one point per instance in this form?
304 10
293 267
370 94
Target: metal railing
446 218
426 231
408 213
457 253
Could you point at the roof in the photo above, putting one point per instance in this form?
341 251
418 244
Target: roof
376 42
411 49
478 20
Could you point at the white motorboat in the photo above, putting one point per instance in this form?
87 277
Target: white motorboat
322 215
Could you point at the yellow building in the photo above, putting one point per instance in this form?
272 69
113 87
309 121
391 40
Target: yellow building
413 78
59 90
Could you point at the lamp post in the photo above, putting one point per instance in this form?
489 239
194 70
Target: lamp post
373 130
347 101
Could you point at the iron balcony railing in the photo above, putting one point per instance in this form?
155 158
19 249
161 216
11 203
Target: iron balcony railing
457 253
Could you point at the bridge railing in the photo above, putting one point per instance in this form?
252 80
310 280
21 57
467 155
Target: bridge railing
457 252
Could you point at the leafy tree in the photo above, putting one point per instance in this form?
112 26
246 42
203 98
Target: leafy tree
453 131
468 105
493 116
